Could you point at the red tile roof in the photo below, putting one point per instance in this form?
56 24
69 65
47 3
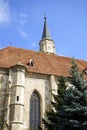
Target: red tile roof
42 62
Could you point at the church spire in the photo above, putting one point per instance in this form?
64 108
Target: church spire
46 33
46 43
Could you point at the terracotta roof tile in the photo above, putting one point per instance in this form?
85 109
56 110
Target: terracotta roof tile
43 63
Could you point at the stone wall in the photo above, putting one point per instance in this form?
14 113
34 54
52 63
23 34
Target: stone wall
23 84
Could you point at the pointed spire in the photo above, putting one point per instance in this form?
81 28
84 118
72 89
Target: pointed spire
46 33
46 43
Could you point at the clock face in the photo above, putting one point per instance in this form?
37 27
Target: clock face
49 47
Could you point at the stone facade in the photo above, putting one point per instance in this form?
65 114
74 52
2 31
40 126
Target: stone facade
16 88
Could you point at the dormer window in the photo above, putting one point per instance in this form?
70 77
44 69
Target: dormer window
30 62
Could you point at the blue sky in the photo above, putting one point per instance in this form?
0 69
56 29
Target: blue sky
21 25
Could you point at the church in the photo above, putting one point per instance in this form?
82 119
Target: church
27 80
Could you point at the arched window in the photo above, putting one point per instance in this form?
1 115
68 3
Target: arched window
34 111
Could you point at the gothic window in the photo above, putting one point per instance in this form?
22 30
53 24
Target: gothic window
34 111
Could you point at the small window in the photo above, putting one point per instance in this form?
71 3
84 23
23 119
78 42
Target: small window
31 62
17 98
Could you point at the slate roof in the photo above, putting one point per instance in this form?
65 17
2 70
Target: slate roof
50 64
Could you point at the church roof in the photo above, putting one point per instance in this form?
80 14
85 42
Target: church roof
50 64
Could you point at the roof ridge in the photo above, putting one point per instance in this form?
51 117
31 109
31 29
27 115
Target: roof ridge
55 55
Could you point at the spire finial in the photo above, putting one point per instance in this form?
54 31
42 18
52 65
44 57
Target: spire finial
45 17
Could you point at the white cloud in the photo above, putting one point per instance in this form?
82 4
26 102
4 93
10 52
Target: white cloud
22 18
33 44
4 11
23 15
23 34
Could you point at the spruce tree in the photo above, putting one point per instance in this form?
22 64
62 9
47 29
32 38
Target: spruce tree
56 105
1 125
70 104
73 113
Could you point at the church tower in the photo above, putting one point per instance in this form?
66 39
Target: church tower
46 43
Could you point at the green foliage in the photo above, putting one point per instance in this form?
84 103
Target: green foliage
56 105
73 113
70 104
1 125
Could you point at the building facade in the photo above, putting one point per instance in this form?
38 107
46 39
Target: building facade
27 80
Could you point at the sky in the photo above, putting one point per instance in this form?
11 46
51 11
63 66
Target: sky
21 25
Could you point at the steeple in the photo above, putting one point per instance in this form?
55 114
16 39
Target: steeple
46 43
46 33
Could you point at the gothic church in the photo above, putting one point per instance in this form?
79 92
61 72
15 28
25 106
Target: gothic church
27 80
